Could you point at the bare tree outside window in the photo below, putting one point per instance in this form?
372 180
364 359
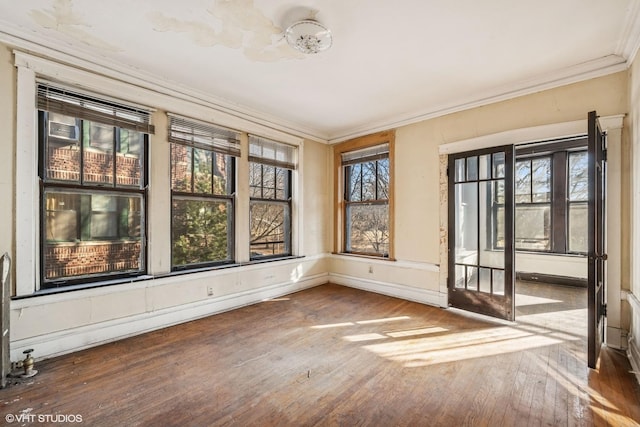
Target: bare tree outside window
533 204
270 170
551 192
367 202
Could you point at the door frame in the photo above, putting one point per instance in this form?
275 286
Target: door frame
613 125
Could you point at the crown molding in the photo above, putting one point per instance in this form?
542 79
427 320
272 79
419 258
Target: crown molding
630 34
86 61
81 58
577 73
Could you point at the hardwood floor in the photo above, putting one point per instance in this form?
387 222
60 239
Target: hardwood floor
338 356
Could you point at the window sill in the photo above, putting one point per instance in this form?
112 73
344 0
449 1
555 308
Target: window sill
371 257
147 277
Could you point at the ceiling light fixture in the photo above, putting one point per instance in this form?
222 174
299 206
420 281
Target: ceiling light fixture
309 36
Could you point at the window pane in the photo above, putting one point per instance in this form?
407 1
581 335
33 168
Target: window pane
461 277
354 178
498 282
129 158
533 227
180 168
499 228
269 182
498 165
255 180
383 179
466 245
367 227
62 149
490 254
541 171
202 171
485 166
91 234
485 280
472 168
281 183
523 181
369 178
577 239
460 170
98 141
201 231
472 278
270 229
222 174
578 185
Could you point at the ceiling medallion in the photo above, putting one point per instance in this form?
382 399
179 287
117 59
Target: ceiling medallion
309 36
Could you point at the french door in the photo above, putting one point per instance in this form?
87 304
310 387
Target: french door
481 254
596 293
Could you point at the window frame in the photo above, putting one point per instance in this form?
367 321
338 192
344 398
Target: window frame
82 186
287 164
199 131
559 151
340 204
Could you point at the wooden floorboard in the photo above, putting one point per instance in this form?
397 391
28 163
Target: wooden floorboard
332 355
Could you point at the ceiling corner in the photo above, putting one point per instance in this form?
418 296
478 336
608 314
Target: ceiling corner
630 34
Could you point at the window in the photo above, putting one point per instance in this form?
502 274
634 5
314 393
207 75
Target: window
533 204
270 168
202 193
366 195
93 175
577 195
551 197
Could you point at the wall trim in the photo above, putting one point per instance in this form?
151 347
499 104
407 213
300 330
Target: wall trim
413 265
409 293
595 68
15 37
609 64
71 340
151 92
633 349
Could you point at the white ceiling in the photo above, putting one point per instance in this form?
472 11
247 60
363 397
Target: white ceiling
391 63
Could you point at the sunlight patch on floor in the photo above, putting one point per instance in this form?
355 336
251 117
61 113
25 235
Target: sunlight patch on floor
361 322
524 300
460 346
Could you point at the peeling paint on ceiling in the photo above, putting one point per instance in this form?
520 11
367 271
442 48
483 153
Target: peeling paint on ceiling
240 25
393 63
62 18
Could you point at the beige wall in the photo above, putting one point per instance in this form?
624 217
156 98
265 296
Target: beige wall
631 308
417 145
421 260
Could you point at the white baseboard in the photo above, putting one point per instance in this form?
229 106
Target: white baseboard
76 339
633 347
616 338
410 293
633 353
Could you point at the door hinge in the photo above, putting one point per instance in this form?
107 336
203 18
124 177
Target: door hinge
604 310
604 154
447 171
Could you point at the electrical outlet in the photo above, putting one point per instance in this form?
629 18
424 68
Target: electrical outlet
210 291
